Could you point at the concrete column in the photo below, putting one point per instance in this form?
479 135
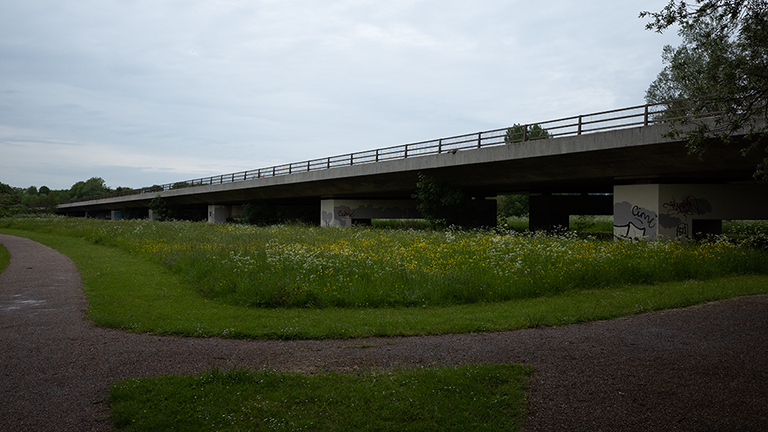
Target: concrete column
679 211
217 213
152 216
347 212
636 211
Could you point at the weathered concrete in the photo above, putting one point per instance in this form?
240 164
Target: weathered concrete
676 211
345 213
592 163
223 213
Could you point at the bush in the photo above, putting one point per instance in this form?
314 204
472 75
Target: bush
512 205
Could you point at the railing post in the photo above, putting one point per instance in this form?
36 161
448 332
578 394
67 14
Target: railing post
525 133
351 159
645 117
309 167
579 133
273 171
405 152
377 155
290 166
479 139
440 146
329 163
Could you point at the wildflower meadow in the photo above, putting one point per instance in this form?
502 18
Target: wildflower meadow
302 266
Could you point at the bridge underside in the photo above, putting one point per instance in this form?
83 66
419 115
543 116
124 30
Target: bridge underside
590 167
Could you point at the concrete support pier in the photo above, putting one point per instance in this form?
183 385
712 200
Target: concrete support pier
682 211
348 212
224 213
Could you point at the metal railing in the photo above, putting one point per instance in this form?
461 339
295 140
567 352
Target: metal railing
640 115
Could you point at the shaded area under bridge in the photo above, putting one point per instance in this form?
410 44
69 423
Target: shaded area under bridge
601 163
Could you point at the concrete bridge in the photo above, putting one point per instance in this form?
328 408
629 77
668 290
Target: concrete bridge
614 162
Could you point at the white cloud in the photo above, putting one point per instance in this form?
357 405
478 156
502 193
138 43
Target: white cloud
216 87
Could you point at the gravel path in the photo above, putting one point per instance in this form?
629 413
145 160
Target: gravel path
702 368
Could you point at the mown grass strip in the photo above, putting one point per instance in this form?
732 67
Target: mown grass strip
5 258
467 398
128 292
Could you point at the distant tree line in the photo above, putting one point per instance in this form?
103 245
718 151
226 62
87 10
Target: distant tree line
16 200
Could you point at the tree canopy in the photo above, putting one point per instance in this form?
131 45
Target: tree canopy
519 133
92 187
718 77
15 200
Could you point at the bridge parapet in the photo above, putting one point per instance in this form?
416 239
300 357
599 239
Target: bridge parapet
623 118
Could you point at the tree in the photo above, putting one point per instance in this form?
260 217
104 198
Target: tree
10 201
439 204
443 205
181 185
92 187
512 205
160 208
718 77
519 133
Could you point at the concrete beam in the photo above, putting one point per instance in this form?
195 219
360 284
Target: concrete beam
567 164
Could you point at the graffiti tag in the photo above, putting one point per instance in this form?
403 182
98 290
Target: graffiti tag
689 206
648 217
633 221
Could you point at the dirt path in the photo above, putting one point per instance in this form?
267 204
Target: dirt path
696 369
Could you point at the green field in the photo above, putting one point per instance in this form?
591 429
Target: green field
298 282
290 282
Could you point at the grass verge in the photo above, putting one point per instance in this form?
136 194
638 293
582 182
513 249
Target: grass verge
477 398
128 292
5 258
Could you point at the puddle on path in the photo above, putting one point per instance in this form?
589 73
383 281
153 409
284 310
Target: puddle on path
21 304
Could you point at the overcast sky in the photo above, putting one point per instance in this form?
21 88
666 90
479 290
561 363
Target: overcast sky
152 92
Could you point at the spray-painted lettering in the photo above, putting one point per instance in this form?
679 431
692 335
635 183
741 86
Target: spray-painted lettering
648 218
689 206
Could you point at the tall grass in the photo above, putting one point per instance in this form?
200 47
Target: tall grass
299 266
754 228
